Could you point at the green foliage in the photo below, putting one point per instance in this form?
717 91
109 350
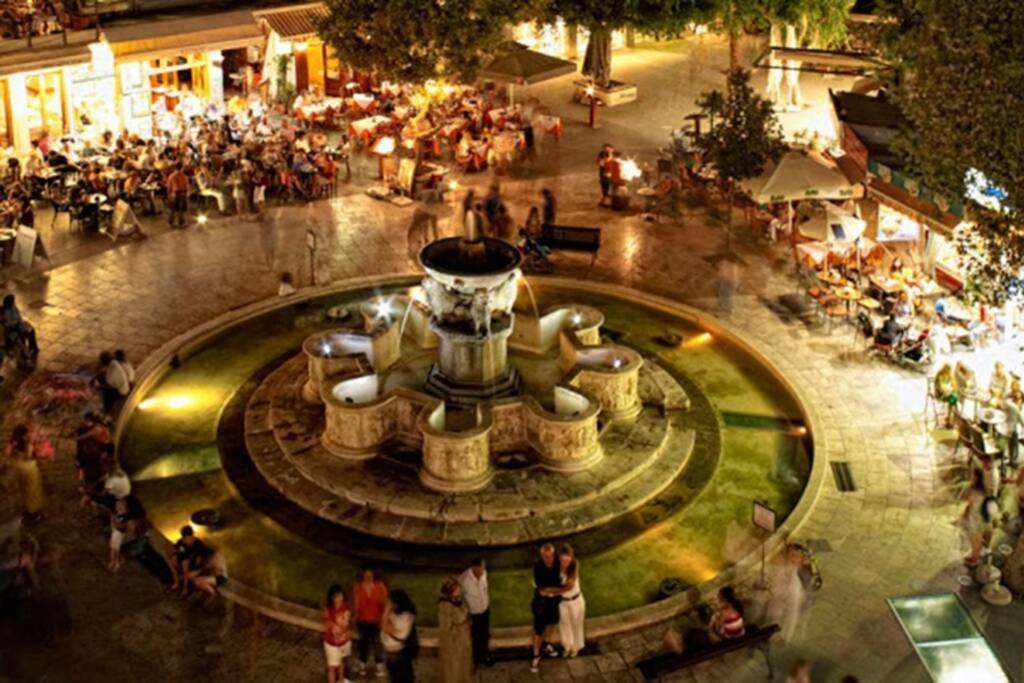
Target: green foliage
961 88
418 40
285 94
745 136
820 23
658 18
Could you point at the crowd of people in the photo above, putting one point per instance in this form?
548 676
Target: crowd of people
231 159
24 18
383 621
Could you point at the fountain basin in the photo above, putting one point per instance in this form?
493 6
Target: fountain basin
330 355
567 438
455 461
610 373
467 266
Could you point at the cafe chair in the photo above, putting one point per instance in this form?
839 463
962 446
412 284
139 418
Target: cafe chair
60 206
863 332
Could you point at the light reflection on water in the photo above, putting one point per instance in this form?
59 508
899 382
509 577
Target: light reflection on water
170 448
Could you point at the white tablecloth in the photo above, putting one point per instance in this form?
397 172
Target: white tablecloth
369 124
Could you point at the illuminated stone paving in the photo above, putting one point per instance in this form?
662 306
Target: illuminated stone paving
890 536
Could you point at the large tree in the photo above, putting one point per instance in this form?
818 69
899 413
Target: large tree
961 88
658 18
818 23
746 137
418 40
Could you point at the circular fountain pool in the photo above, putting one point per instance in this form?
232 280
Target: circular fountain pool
671 497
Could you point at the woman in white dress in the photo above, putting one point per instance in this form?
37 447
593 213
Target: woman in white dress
573 608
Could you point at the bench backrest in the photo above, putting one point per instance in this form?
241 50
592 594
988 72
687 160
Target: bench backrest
667 663
570 236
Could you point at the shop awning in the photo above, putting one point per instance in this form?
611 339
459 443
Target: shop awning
47 52
225 31
517 64
297 22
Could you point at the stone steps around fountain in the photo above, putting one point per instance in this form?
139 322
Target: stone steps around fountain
387 499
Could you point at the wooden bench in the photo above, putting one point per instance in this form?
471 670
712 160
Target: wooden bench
661 665
571 238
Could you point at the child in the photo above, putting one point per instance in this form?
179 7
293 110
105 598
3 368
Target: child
118 527
286 287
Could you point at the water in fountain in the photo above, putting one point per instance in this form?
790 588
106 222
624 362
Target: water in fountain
533 299
405 319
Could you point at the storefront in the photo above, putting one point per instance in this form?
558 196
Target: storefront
39 87
177 66
916 222
295 53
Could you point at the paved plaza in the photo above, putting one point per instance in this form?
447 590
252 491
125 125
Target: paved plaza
893 535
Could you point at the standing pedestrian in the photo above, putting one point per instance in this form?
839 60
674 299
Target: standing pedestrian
604 158
572 609
550 207
546 576
112 382
400 639
476 594
454 645
337 640
492 202
369 600
21 457
121 358
177 195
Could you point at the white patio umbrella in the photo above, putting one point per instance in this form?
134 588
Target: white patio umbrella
832 224
798 176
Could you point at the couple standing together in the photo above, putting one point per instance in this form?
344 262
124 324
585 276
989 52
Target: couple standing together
557 601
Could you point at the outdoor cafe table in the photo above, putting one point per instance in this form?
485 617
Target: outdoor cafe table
318 108
363 100
498 116
366 127
847 294
453 127
830 278
886 285
991 418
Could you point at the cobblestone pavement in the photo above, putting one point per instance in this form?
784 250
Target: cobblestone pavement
891 536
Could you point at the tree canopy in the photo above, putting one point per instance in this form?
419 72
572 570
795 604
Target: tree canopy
659 18
417 40
819 23
961 88
746 135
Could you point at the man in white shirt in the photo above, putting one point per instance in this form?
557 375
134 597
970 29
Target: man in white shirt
112 381
477 597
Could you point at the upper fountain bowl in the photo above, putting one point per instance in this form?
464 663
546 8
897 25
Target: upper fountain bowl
455 258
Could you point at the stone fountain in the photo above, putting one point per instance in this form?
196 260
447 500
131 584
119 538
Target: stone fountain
471 287
429 383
